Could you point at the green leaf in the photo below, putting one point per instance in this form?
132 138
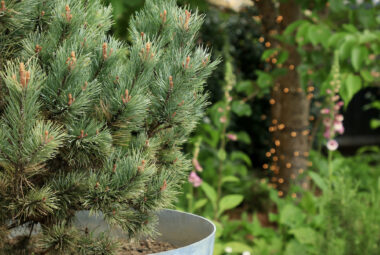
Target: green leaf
238 155
366 75
267 54
292 27
350 28
238 247
245 87
367 37
230 178
241 108
222 154
291 216
313 35
229 202
305 235
346 47
336 39
264 80
375 123
283 57
244 137
351 86
200 203
295 248
210 193
318 180
358 55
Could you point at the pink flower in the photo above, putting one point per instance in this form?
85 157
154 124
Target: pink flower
326 134
327 122
196 165
339 117
220 109
332 145
195 179
339 128
232 137
223 119
328 91
325 111
335 98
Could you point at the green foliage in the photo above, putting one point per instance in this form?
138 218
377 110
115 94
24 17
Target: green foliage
89 123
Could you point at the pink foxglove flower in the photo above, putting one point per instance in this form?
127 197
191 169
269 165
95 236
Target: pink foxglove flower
325 111
196 165
332 145
232 137
195 179
223 119
339 117
327 133
338 126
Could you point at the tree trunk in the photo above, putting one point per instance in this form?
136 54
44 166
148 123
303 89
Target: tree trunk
290 105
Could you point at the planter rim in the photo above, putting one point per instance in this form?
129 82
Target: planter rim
194 244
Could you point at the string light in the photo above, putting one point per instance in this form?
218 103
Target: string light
279 19
294 195
267 44
272 150
261 39
265 166
274 121
286 90
288 165
291 67
300 171
277 143
281 180
281 126
296 153
293 134
280 193
272 101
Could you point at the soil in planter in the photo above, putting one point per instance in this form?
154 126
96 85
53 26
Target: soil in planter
144 247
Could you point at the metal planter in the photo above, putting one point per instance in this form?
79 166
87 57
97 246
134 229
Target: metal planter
193 234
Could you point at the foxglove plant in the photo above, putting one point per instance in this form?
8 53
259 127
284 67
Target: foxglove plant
88 123
332 119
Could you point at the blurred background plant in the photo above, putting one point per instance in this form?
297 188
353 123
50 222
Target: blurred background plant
287 159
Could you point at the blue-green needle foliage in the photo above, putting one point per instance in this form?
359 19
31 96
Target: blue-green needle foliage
89 123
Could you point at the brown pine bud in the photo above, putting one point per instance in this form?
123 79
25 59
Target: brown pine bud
174 114
105 54
22 75
114 168
69 16
42 13
27 78
164 186
163 16
38 49
171 84
187 62
70 99
97 185
3 8
85 86
127 97
187 20
142 35
180 104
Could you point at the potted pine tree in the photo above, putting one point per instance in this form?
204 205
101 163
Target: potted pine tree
92 129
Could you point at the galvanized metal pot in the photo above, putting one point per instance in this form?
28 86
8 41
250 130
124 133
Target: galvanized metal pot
193 234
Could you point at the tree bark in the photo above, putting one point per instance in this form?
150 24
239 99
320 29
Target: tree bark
290 105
